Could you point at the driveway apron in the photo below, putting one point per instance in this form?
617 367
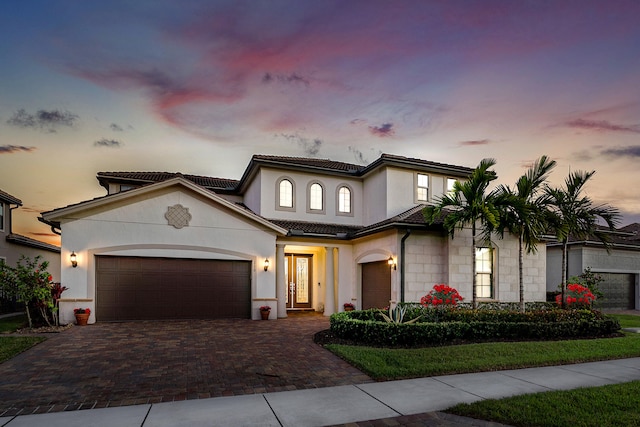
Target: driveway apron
117 364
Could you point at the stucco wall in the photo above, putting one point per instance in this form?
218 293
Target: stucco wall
138 227
301 181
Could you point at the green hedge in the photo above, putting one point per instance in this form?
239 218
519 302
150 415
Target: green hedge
437 327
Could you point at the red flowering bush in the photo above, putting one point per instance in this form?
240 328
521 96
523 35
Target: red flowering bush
441 294
576 295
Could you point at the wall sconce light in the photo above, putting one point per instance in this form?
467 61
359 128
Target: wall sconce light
74 259
266 264
392 263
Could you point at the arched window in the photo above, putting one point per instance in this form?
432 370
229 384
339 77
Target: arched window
285 194
316 197
344 200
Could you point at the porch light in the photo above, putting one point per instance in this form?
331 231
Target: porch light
392 263
73 259
266 264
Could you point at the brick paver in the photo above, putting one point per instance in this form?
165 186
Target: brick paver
115 364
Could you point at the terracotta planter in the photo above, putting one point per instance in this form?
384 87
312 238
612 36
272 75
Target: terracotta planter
82 319
348 309
265 314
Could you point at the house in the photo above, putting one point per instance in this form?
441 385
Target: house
292 233
13 246
619 267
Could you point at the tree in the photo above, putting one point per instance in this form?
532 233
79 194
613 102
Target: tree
522 211
574 215
469 205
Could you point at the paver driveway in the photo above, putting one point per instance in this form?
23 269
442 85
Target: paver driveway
114 364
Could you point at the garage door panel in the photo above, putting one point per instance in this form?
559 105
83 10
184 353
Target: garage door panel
618 290
130 288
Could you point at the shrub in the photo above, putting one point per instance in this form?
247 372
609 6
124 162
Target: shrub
576 296
450 325
441 294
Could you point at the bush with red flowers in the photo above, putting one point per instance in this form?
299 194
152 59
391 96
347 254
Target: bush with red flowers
441 295
576 296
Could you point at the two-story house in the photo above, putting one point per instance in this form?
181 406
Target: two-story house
292 233
14 246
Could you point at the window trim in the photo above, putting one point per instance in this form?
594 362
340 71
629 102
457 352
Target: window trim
324 198
416 187
279 207
338 188
492 274
2 215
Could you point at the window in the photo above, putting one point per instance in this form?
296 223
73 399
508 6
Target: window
450 183
285 194
484 272
1 216
422 189
344 200
316 196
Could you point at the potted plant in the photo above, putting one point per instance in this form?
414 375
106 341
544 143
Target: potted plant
264 312
82 315
349 306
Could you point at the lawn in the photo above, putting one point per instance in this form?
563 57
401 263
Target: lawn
606 406
614 405
11 346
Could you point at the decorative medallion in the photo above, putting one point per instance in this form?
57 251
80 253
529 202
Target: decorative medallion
178 216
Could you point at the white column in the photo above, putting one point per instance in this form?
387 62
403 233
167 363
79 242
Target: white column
281 286
329 291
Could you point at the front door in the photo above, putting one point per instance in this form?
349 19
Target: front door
298 278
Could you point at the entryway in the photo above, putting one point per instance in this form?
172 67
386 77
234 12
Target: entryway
298 274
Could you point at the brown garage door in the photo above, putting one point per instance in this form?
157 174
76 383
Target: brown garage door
136 288
376 285
619 291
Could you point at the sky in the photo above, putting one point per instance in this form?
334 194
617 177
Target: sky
198 87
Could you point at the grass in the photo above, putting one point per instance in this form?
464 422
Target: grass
612 405
12 346
606 406
11 324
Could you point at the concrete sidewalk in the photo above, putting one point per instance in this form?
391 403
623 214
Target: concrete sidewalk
347 404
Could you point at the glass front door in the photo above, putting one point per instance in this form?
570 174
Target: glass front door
298 279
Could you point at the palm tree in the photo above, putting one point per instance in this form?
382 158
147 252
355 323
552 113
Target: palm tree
574 215
522 211
468 204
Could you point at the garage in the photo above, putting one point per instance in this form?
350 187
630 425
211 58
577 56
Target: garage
618 290
139 288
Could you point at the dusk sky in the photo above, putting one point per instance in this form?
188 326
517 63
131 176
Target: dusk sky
200 86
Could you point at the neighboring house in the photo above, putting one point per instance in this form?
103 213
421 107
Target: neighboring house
14 246
292 233
620 267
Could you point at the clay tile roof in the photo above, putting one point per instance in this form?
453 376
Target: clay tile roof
148 177
316 228
310 162
9 198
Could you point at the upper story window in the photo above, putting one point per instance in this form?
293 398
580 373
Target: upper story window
316 197
422 187
484 272
344 200
285 194
1 216
450 183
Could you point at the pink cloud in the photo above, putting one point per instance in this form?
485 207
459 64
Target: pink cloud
384 130
602 126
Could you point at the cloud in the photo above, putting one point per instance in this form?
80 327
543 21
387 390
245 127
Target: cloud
104 142
311 147
602 126
475 142
10 149
116 128
39 234
283 78
360 156
629 151
43 119
386 129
